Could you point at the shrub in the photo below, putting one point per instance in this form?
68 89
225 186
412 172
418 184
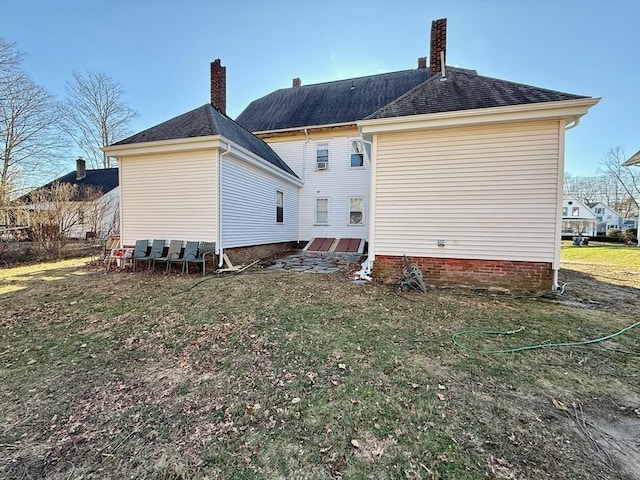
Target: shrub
630 235
614 233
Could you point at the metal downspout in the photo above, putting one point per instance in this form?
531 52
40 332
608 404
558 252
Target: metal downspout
304 175
220 248
367 266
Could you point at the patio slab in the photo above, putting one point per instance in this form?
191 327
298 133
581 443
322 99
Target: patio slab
316 262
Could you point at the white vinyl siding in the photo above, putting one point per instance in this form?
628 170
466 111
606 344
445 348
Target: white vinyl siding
490 192
339 183
170 196
249 205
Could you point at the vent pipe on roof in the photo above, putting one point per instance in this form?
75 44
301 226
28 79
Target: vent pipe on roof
81 168
297 82
219 86
438 46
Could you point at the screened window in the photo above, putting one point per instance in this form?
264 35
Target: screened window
322 156
356 211
357 154
322 211
279 207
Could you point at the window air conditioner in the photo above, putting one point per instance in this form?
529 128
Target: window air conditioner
322 165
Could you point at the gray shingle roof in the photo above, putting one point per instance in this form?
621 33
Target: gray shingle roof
328 103
204 121
104 179
465 90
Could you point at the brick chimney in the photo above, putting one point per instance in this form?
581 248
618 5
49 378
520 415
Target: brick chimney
438 44
297 82
422 62
81 168
219 86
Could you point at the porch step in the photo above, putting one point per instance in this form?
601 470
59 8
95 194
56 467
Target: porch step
332 244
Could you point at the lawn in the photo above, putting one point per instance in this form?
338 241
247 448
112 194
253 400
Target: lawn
283 375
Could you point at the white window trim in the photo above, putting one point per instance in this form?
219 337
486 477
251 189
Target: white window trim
315 211
277 195
361 198
328 163
364 152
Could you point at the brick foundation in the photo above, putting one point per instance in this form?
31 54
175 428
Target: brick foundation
515 276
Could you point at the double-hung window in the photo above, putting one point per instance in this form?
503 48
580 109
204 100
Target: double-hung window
322 211
322 156
356 211
575 212
279 206
357 154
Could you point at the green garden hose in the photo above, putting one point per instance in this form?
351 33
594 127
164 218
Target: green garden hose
529 347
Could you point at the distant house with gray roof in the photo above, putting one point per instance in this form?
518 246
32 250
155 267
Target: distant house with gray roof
96 197
460 172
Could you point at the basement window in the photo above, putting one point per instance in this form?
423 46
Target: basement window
279 206
357 154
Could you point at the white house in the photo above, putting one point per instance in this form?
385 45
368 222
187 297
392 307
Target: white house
606 218
577 217
95 218
442 164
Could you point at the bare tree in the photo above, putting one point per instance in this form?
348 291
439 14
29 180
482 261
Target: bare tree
10 58
586 189
29 138
95 114
59 212
625 181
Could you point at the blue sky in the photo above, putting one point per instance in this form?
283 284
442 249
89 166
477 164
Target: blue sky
159 50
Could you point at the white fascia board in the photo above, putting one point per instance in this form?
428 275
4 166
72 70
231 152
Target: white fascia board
164 146
566 109
259 162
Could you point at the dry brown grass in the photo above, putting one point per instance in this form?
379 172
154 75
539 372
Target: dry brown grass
272 375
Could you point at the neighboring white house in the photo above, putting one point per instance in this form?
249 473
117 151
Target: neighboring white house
577 217
460 172
91 219
606 218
